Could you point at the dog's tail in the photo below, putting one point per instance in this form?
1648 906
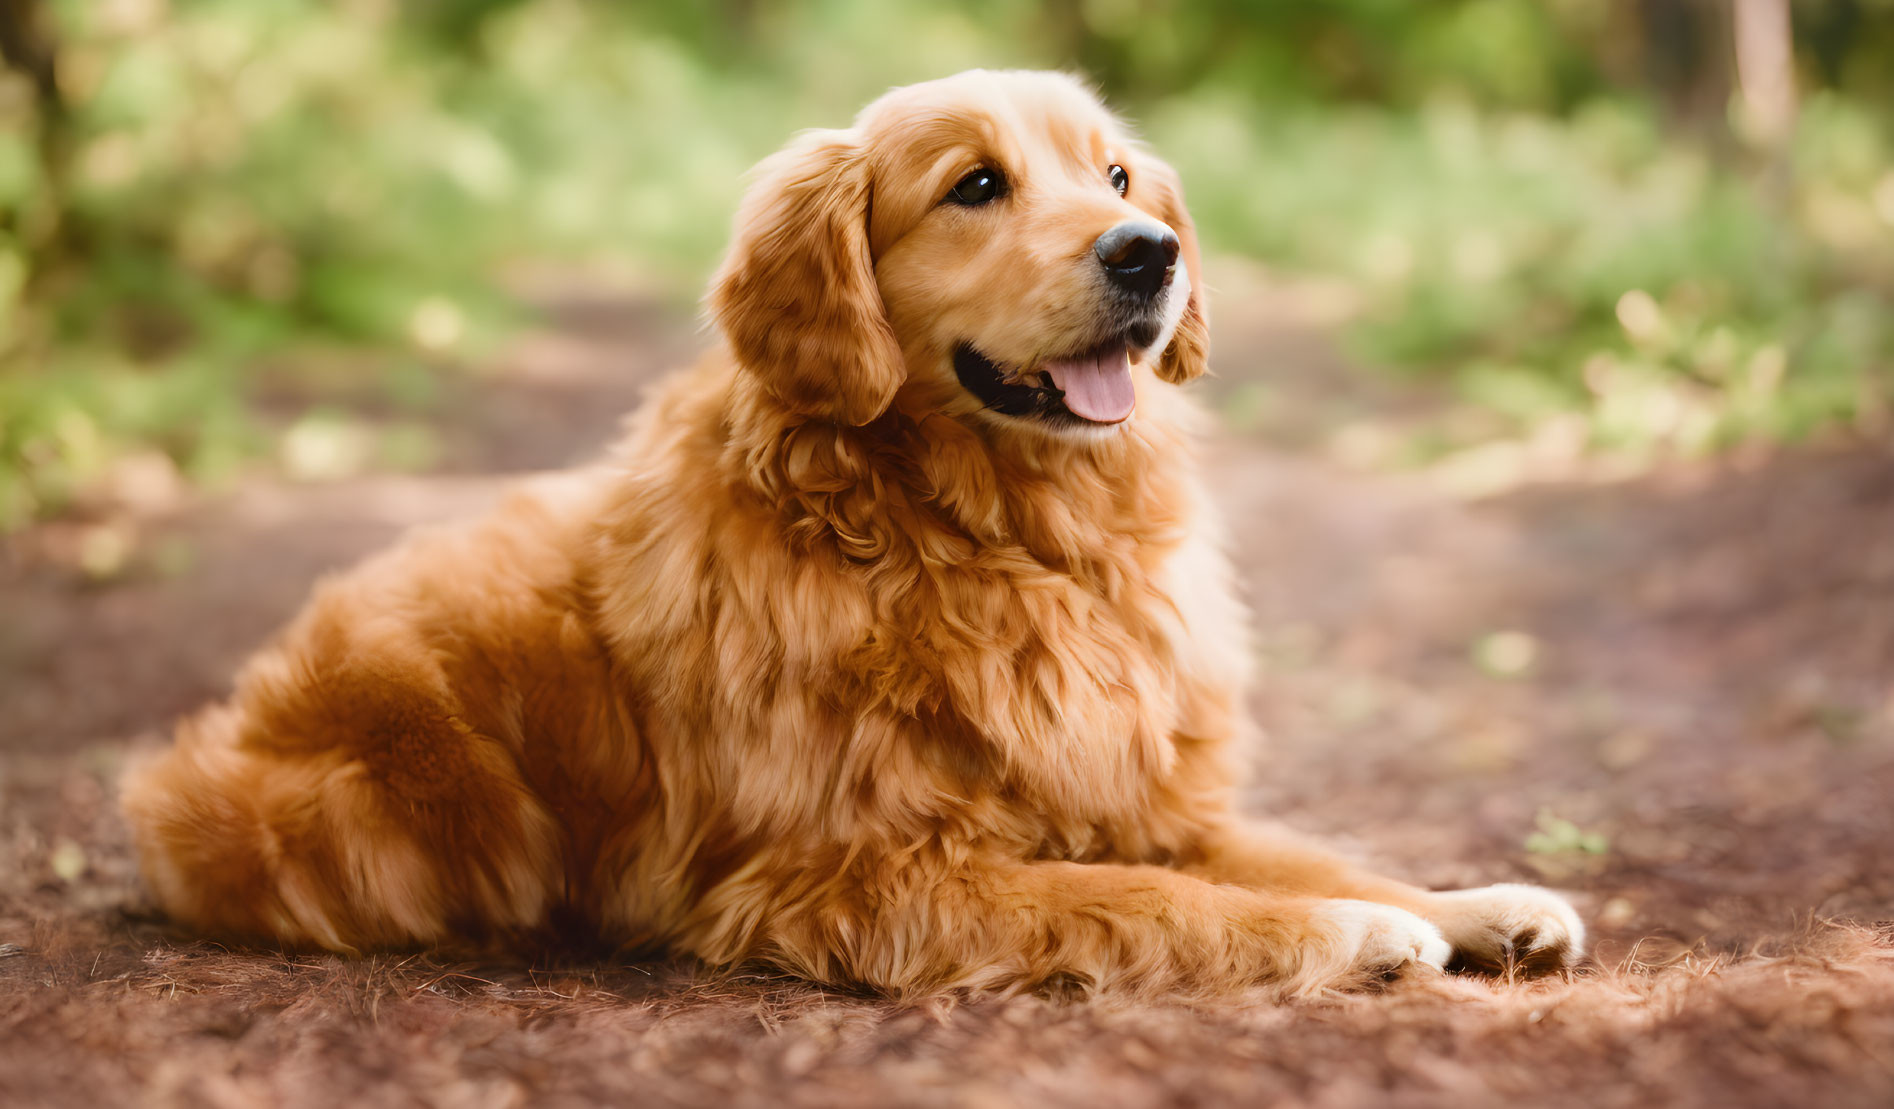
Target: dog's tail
252 841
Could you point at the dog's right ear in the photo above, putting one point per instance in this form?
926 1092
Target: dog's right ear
796 295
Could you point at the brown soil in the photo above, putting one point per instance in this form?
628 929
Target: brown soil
1704 740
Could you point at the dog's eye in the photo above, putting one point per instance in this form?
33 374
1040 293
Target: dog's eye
978 187
1120 180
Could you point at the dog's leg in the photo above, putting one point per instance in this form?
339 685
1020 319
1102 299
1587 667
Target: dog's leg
1492 926
1120 928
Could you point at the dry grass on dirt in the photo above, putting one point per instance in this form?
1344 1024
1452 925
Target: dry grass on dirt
1683 683
99 1023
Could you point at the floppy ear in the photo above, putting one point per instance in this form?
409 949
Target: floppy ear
1189 353
796 295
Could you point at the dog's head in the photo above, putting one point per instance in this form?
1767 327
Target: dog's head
991 243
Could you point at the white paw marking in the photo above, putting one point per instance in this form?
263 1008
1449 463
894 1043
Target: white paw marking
1510 924
1381 938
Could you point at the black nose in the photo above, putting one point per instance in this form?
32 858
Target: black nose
1139 256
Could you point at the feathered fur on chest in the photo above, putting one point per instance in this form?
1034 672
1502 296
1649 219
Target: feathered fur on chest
908 618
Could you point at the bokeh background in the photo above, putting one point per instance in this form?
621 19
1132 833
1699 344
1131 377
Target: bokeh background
1650 225
1554 375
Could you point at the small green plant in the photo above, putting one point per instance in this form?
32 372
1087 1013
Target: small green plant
1506 654
1559 836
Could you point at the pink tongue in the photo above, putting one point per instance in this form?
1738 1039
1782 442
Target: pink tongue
1097 388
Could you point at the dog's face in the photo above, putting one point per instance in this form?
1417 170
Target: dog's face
991 244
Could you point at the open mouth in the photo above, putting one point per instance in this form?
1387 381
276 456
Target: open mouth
1093 387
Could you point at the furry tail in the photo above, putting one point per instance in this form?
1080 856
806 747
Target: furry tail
247 843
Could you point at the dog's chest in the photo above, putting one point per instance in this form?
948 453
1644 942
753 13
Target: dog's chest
1067 686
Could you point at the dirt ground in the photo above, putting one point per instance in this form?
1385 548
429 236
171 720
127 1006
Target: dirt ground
1670 693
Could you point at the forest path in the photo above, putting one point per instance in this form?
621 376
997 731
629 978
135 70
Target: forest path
1682 681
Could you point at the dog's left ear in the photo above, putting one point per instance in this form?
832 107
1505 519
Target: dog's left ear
1189 353
796 295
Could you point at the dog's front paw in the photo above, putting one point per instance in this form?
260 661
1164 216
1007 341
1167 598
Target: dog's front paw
1506 926
1370 941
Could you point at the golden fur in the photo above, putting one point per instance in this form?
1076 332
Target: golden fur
827 666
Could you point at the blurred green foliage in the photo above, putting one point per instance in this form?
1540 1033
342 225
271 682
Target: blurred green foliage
1529 197
1593 263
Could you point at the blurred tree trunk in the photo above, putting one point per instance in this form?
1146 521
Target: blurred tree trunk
1830 33
1765 69
26 46
737 21
1686 58
1064 23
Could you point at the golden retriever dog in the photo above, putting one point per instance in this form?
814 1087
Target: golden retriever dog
893 647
